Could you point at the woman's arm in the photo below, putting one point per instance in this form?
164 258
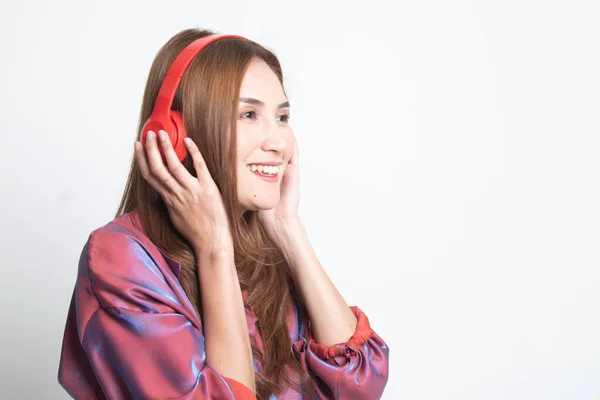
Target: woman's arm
228 348
196 208
348 359
334 323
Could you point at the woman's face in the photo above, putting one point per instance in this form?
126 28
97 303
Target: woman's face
263 136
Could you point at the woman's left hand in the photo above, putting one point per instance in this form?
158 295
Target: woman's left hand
277 219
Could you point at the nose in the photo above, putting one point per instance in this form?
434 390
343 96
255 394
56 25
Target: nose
273 140
273 143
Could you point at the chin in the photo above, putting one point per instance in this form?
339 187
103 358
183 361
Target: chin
258 207
262 205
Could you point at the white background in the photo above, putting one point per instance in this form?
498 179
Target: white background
450 162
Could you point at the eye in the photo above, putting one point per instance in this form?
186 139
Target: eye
284 117
252 114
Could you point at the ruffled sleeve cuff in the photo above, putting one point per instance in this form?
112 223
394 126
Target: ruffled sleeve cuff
239 390
362 333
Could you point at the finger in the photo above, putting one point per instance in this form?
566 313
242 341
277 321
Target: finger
295 157
202 172
157 167
175 167
145 169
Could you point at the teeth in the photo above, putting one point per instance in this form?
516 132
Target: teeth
265 169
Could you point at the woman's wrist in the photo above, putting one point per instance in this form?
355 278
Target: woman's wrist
213 252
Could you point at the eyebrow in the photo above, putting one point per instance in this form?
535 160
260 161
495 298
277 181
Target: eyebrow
257 102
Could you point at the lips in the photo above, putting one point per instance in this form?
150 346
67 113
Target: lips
270 163
268 178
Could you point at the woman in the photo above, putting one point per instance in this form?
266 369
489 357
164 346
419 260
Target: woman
205 285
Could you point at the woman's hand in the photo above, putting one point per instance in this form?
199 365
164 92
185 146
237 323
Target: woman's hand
277 219
195 204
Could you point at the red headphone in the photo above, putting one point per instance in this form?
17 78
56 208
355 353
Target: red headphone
162 116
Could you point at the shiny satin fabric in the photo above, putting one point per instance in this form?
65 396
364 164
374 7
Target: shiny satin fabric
131 332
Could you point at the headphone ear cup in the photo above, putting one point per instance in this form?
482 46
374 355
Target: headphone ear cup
178 135
155 124
174 128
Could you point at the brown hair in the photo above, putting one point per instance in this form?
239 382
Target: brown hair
208 99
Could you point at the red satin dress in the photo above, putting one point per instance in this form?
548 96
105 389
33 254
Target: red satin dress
132 333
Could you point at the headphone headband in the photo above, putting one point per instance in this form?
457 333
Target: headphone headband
169 86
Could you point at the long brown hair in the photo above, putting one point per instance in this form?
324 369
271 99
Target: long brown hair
208 99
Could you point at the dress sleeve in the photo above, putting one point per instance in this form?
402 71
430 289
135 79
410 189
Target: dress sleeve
356 369
139 340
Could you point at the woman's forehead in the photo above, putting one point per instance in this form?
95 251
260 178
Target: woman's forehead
261 83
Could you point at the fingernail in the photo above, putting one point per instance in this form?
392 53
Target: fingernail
161 135
150 135
137 145
187 141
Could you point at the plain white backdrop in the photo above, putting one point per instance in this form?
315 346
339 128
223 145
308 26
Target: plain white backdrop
450 168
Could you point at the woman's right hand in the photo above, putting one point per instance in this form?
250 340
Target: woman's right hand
195 205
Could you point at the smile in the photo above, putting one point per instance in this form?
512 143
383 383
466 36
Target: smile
264 169
272 176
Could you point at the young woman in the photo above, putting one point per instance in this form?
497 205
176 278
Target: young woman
205 285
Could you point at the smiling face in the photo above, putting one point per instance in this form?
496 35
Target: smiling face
264 138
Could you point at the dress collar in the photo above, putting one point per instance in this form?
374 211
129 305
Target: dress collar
174 264
135 220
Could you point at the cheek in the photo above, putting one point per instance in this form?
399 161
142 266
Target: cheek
248 137
290 142
245 146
